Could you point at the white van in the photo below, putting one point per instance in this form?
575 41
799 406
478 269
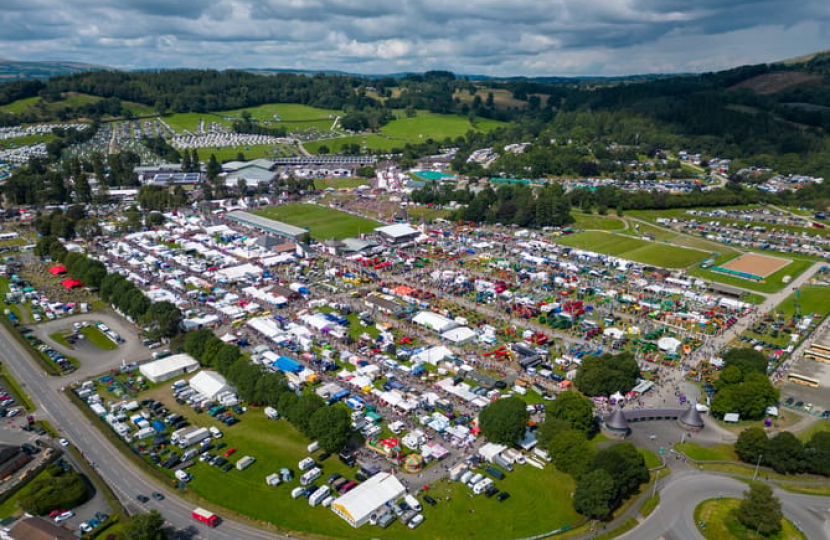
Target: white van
215 433
310 476
306 464
319 496
412 502
297 492
327 501
466 477
475 479
313 447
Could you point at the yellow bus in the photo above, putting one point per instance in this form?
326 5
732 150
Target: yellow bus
802 379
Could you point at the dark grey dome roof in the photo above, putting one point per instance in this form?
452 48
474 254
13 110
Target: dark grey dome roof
691 418
617 421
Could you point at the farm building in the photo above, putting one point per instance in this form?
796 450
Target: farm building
210 384
268 225
398 234
358 505
167 368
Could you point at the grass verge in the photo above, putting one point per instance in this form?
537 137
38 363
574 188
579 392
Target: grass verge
650 505
97 338
717 517
16 391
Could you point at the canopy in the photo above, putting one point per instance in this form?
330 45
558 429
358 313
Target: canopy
71 284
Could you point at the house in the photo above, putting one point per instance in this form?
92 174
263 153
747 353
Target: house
37 528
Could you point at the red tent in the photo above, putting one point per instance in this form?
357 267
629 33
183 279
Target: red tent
57 270
71 284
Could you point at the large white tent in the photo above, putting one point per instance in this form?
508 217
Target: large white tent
210 384
167 368
358 505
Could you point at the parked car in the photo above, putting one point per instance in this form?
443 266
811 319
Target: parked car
69 514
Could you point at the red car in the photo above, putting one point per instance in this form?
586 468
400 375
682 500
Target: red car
229 452
56 513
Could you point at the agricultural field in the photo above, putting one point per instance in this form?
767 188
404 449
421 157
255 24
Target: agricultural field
435 126
322 222
634 249
291 116
502 98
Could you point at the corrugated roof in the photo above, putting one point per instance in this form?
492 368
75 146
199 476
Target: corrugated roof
263 223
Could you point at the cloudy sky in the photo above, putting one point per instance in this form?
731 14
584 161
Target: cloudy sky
491 37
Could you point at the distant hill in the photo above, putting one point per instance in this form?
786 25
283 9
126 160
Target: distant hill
12 70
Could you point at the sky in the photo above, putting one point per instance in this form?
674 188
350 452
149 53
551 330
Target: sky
486 37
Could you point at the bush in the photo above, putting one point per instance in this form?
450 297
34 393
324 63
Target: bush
54 492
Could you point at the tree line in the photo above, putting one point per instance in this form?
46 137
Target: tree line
161 319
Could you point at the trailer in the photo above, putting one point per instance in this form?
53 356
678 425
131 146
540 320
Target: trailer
196 436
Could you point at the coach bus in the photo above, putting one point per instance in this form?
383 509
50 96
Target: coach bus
803 380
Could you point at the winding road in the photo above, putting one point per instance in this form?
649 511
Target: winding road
682 492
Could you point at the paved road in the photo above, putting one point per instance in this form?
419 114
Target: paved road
123 476
682 492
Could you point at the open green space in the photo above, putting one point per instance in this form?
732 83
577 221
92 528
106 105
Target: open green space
773 283
60 339
97 338
721 523
436 126
811 299
634 249
340 145
719 452
231 153
20 105
341 183
28 140
597 222
291 116
322 222
181 122
652 459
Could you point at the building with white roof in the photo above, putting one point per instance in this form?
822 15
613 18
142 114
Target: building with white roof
434 321
210 384
358 505
398 234
167 368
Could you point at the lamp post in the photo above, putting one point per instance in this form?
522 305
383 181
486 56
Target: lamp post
757 465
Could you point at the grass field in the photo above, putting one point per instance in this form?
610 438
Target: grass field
597 222
60 339
322 222
721 524
340 183
97 338
634 249
812 299
366 142
719 452
435 126
20 105
291 116
181 122
24 141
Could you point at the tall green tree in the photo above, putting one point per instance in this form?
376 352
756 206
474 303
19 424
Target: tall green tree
504 421
148 526
751 444
595 494
575 409
760 510
331 426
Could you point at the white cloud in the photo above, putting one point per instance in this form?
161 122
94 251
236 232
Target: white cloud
493 37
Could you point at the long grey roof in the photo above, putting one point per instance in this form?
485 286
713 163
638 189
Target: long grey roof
269 225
